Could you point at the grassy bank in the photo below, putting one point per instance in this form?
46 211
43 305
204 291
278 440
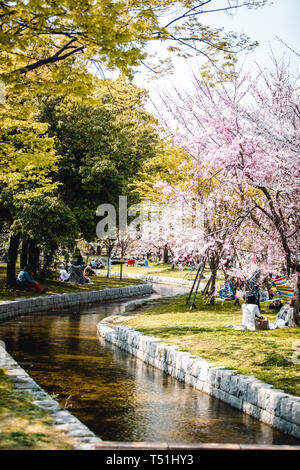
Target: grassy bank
58 287
165 270
204 332
23 425
156 269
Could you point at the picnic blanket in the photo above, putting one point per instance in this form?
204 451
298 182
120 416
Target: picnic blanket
283 286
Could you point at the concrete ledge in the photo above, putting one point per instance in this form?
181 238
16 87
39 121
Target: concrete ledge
47 302
248 394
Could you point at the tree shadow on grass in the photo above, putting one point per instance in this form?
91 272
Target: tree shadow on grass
273 359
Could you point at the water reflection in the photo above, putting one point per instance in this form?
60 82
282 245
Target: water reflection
116 395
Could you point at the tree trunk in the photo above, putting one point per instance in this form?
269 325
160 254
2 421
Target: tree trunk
166 254
296 314
206 288
210 287
122 254
211 297
12 256
48 260
108 266
24 253
280 225
33 256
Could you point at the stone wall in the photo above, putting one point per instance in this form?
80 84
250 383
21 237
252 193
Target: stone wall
248 394
81 435
14 308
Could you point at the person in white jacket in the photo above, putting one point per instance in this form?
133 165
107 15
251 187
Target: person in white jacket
250 311
64 274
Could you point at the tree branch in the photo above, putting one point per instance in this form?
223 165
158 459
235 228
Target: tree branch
49 60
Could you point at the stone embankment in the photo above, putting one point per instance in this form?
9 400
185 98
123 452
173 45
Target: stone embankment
248 394
18 307
81 435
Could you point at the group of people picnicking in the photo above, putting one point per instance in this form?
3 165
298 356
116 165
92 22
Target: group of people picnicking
253 320
237 289
253 293
185 262
78 272
138 261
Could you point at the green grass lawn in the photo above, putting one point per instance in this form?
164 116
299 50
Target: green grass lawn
58 287
23 425
155 269
203 331
159 269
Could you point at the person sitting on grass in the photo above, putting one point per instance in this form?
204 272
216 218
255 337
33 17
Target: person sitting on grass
250 312
285 315
25 279
64 274
88 271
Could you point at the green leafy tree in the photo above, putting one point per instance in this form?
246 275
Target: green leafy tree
165 166
27 157
114 33
48 224
46 49
102 146
29 202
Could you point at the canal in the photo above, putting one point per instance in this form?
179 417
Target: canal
116 395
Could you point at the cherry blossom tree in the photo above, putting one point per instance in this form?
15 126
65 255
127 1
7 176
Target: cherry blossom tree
243 140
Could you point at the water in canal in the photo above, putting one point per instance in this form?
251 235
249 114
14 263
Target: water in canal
116 395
